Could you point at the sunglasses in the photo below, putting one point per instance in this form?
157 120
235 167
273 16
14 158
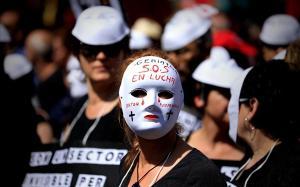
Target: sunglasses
91 51
206 88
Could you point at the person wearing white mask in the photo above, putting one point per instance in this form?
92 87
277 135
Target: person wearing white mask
151 97
214 77
278 31
264 120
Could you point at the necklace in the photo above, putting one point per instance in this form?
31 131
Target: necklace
137 172
242 169
164 160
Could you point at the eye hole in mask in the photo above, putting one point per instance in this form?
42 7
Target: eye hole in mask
139 93
165 94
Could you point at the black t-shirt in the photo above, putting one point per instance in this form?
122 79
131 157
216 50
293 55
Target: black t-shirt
282 168
193 170
228 168
94 164
108 128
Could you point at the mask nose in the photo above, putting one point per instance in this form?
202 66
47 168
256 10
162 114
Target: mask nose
151 100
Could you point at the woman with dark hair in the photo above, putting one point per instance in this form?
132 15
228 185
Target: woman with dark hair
267 122
151 97
94 129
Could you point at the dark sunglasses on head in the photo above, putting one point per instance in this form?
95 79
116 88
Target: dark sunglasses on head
206 88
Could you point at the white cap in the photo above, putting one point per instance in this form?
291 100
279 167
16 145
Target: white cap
16 65
149 27
280 29
233 105
139 40
205 10
218 70
100 25
183 28
4 34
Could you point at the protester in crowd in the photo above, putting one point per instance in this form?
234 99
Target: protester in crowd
187 40
101 40
145 33
12 19
48 78
223 35
214 77
278 31
151 97
263 117
18 124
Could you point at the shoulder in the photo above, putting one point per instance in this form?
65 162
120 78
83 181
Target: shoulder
282 168
197 160
202 171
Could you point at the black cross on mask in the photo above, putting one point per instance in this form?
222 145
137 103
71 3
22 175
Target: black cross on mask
131 115
169 114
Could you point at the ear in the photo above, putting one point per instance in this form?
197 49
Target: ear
198 101
253 106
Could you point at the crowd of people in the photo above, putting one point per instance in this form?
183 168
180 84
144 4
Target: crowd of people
188 102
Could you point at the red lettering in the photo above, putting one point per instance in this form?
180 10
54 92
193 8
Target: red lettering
155 68
166 69
134 78
145 68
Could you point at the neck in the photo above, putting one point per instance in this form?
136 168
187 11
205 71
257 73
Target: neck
101 100
212 131
260 146
102 92
153 151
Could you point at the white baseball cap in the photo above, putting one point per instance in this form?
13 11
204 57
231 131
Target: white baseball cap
4 34
233 105
139 40
100 25
218 70
149 27
280 29
16 65
183 28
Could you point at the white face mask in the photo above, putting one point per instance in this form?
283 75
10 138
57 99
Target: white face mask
151 97
233 106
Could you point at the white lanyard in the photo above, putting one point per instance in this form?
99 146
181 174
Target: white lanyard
238 174
65 137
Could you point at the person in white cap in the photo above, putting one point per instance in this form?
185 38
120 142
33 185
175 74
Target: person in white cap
214 77
263 117
278 31
151 97
145 33
100 43
187 40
